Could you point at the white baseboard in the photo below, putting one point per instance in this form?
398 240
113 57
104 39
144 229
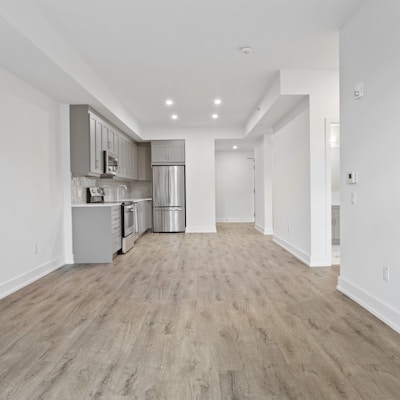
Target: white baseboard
312 261
201 229
300 254
236 220
381 310
259 228
263 230
23 280
69 259
320 261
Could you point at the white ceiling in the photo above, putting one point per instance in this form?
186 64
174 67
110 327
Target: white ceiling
149 50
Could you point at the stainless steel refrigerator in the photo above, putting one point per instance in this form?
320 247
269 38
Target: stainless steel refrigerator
169 214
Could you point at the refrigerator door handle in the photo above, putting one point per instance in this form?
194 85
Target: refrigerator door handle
169 188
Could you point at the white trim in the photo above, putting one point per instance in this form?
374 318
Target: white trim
328 188
23 280
386 313
69 259
263 230
201 229
321 260
311 261
236 220
259 228
300 254
66 177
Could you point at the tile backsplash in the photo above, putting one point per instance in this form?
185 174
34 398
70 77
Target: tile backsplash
78 188
134 190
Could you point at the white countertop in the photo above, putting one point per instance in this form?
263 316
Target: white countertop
138 200
117 203
95 205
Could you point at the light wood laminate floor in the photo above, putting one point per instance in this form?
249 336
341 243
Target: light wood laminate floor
226 316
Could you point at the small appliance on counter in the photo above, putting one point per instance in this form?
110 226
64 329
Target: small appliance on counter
95 195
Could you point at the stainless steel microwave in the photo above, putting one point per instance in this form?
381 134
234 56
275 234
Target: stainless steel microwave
110 164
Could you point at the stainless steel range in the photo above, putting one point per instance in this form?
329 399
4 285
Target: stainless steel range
130 226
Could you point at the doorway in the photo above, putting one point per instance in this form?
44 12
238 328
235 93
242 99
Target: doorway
334 145
234 179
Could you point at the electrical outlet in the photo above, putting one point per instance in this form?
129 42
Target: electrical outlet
35 249
288 229
385 274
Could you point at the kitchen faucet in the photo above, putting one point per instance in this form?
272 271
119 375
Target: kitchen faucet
121 187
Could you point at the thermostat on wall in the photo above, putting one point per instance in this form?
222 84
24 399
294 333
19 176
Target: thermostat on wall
352 177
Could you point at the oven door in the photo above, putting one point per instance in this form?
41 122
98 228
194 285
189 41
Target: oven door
129 212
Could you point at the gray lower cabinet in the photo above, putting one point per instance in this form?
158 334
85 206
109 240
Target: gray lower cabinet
144 216
149 211
96 233
335 225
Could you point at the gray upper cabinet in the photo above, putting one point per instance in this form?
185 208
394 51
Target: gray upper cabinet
90 135
165 152
134 162
336 225
144 162
95 144
86 142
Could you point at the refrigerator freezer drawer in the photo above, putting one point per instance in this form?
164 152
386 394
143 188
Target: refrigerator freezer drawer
169 219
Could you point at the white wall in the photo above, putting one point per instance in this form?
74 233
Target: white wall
259 183
264 169
234 176
200 183
63 72
33 192
291 186
322 86
370 143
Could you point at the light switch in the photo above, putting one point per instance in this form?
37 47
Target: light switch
353 199
359 91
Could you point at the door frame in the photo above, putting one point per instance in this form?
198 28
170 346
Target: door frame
329 121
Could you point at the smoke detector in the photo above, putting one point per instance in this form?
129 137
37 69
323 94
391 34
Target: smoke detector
246 49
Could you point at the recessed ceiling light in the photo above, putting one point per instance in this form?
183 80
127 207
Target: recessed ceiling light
174 116
214 116
169 102
246 49
217 102
234 147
